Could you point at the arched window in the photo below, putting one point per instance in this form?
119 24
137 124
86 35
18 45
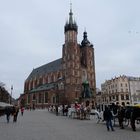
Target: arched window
31 85
46 97
54 79
51 78
39 101
28 99
34 98
35 82
40 81
26 86
58 75
46 79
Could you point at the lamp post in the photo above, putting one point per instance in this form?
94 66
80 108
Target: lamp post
11 94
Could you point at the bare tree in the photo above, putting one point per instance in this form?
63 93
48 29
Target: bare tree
2 84
4 95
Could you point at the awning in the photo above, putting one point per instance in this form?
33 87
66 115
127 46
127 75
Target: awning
2 104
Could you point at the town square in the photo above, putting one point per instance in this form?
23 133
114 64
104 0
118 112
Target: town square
69 70
42 125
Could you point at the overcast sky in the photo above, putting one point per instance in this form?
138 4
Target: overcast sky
32 34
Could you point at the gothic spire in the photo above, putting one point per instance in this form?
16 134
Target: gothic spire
71 24
70 15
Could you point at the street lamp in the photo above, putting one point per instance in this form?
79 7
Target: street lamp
11 94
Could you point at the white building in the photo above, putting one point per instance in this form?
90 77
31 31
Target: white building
134 87
122 90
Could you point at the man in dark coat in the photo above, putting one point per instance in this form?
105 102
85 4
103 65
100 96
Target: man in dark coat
134 115
121 115
15 113
8 112
108 118
56 109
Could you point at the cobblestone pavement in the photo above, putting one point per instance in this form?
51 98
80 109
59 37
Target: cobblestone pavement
43 125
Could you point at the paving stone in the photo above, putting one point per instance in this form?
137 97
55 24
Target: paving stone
43 125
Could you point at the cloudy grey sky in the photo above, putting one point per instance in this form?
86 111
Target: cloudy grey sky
32 34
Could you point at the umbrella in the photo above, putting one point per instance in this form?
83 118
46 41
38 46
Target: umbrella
137 105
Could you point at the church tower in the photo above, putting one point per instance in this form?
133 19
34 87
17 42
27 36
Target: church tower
88 66
78 65
71 60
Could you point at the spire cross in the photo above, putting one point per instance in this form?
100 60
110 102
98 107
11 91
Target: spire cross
84 29
70 6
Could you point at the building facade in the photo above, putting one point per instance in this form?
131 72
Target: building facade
65 80
122 90
134 86
114 91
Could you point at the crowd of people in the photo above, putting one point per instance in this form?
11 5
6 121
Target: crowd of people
110 115
84 111
127 115
79 111
12 111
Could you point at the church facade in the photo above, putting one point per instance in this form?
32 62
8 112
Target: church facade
65 80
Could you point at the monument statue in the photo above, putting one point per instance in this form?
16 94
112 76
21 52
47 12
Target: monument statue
86 93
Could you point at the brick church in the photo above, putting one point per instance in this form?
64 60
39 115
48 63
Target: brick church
65 80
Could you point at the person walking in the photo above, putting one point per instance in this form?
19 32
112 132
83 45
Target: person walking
121 115
22 110
56 110
63 109
8 113
15 113
108 118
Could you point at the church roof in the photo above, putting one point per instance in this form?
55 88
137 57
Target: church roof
47 68
47 86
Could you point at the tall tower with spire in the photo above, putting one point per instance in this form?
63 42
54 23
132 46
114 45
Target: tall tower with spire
71 29
77 64
71 59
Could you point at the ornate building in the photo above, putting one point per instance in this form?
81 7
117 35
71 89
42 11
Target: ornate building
65 80
134 87
116 90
